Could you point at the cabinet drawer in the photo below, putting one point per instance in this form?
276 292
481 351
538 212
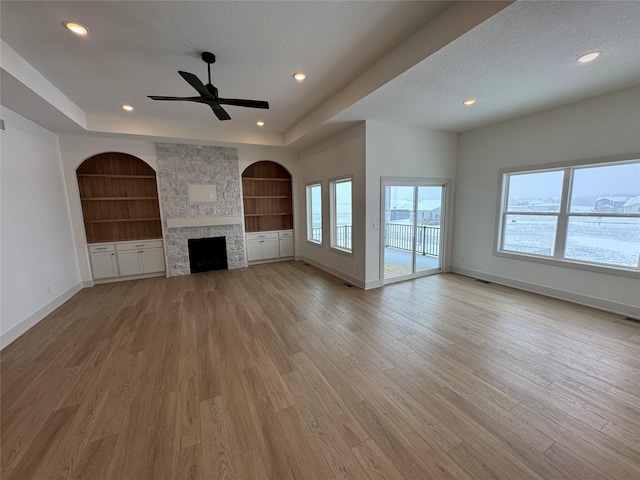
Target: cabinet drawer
261 235
286 233
143 244
100 248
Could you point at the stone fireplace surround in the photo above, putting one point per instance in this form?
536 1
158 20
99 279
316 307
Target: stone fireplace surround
182 165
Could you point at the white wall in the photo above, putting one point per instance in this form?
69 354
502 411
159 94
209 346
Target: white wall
401 151
603 126
39 269
339 156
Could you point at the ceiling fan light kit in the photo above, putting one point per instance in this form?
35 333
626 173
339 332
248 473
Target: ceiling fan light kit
209 93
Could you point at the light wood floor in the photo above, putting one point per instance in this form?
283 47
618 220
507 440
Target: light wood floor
279 371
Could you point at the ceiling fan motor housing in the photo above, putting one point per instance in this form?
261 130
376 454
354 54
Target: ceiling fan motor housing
208 57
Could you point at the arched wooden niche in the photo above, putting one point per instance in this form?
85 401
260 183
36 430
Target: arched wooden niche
266 193
119 197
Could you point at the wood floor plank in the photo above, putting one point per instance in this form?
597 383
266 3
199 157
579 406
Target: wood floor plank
217 458
281 371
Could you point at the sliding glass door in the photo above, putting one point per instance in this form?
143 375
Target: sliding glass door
413 222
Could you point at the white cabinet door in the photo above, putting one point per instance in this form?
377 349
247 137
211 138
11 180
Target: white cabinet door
130 262
104 265
254 250
270 248
286 247
152 260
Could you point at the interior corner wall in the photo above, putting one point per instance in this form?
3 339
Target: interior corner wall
603 126
39 269
339 156
409 152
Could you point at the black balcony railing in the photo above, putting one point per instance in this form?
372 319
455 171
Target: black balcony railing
400 236
343 236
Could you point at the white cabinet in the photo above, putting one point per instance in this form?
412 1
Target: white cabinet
135 258
104 263
122 259
264 246
129 263
285 240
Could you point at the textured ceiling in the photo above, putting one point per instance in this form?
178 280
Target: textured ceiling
520 60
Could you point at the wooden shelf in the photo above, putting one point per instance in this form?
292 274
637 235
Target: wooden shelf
266 179
132 239
267 197
266 214
102 199
107 175
119 220
119 198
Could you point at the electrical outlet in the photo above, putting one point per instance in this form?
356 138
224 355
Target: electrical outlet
211 196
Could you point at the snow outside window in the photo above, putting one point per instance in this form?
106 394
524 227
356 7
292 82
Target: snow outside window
587 214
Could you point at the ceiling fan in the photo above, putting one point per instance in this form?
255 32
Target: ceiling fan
209 93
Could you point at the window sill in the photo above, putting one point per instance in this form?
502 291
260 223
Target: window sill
591 267
346 253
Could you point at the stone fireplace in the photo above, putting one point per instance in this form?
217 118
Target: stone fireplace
200 193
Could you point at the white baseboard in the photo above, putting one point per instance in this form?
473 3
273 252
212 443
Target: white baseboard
333 271
271 260
599 303
373 284
17 330
130 277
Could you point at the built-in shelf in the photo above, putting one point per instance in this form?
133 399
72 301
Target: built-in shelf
118 220
119 197
100 199
266 214
108 175
267 197
265 179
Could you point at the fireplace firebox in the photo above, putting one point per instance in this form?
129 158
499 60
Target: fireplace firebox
207 254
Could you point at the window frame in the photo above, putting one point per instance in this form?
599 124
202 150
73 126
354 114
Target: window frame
309 210
333 221
563 215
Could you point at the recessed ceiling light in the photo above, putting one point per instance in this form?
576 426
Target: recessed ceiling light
76 28
260 123
589 57
127 107
299 76
469 101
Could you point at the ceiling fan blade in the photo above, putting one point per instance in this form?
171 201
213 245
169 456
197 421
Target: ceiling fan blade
196 83
220 112
244 103
186 99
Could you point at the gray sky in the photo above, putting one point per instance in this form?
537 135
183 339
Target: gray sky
608 180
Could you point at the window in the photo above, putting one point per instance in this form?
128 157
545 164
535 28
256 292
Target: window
314 213
588 214
341 214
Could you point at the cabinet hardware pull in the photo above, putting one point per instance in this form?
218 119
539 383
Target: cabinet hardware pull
101 248
139 246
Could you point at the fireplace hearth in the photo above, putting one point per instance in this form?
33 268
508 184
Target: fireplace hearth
207 254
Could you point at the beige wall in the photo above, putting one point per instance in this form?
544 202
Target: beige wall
600 127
